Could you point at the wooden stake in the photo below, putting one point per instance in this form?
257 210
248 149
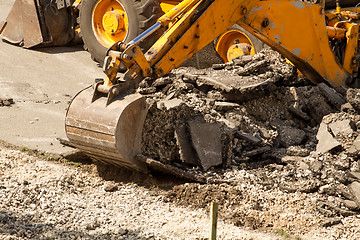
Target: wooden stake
213 220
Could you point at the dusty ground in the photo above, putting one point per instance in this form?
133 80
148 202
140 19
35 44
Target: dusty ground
41 83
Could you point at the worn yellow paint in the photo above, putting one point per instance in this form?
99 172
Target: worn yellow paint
305 43
166 6
183 6
352 36
303 37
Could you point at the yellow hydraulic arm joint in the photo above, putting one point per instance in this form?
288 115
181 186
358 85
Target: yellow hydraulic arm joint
132 57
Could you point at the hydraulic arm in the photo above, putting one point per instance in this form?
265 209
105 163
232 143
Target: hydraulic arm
106 121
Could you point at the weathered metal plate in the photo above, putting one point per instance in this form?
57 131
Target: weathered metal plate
108 133
22 25
31 24
12 30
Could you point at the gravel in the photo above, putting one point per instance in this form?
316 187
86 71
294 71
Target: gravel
53 200
42 199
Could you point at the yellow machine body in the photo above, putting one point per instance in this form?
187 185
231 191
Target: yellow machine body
296 29
110 23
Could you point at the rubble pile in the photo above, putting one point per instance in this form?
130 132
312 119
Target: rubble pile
256 114
244 111
5 101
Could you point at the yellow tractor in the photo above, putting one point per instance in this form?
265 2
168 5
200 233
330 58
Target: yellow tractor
101 23
319 37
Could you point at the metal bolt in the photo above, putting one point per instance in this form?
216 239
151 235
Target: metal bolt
265 23
115 91
244 10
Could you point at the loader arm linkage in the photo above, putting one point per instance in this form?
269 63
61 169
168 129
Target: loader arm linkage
294 28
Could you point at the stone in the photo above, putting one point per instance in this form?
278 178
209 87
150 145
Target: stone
326 141
190 78
353 97
299 103
352 151
161 82
218 66
347 108
170 104
213 83
144 84
148 90
264 133
291 159
297 151
111 188
277 153
299 113
186 151
257 151
303 165
342 164
242 60
170 169
355 191
356 143
350 205
225 106
317 105
289 136
331 222
354 175
6 103
342 128
335 98
298 95
92 225
248 137
343 190
229 124
316 166
206 139
253 67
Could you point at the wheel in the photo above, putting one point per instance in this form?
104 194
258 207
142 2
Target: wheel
237 41
104 22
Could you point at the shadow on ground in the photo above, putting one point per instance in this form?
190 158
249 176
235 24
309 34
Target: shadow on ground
27 227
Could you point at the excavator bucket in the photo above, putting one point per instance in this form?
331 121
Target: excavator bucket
109 133
38 23
22 25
